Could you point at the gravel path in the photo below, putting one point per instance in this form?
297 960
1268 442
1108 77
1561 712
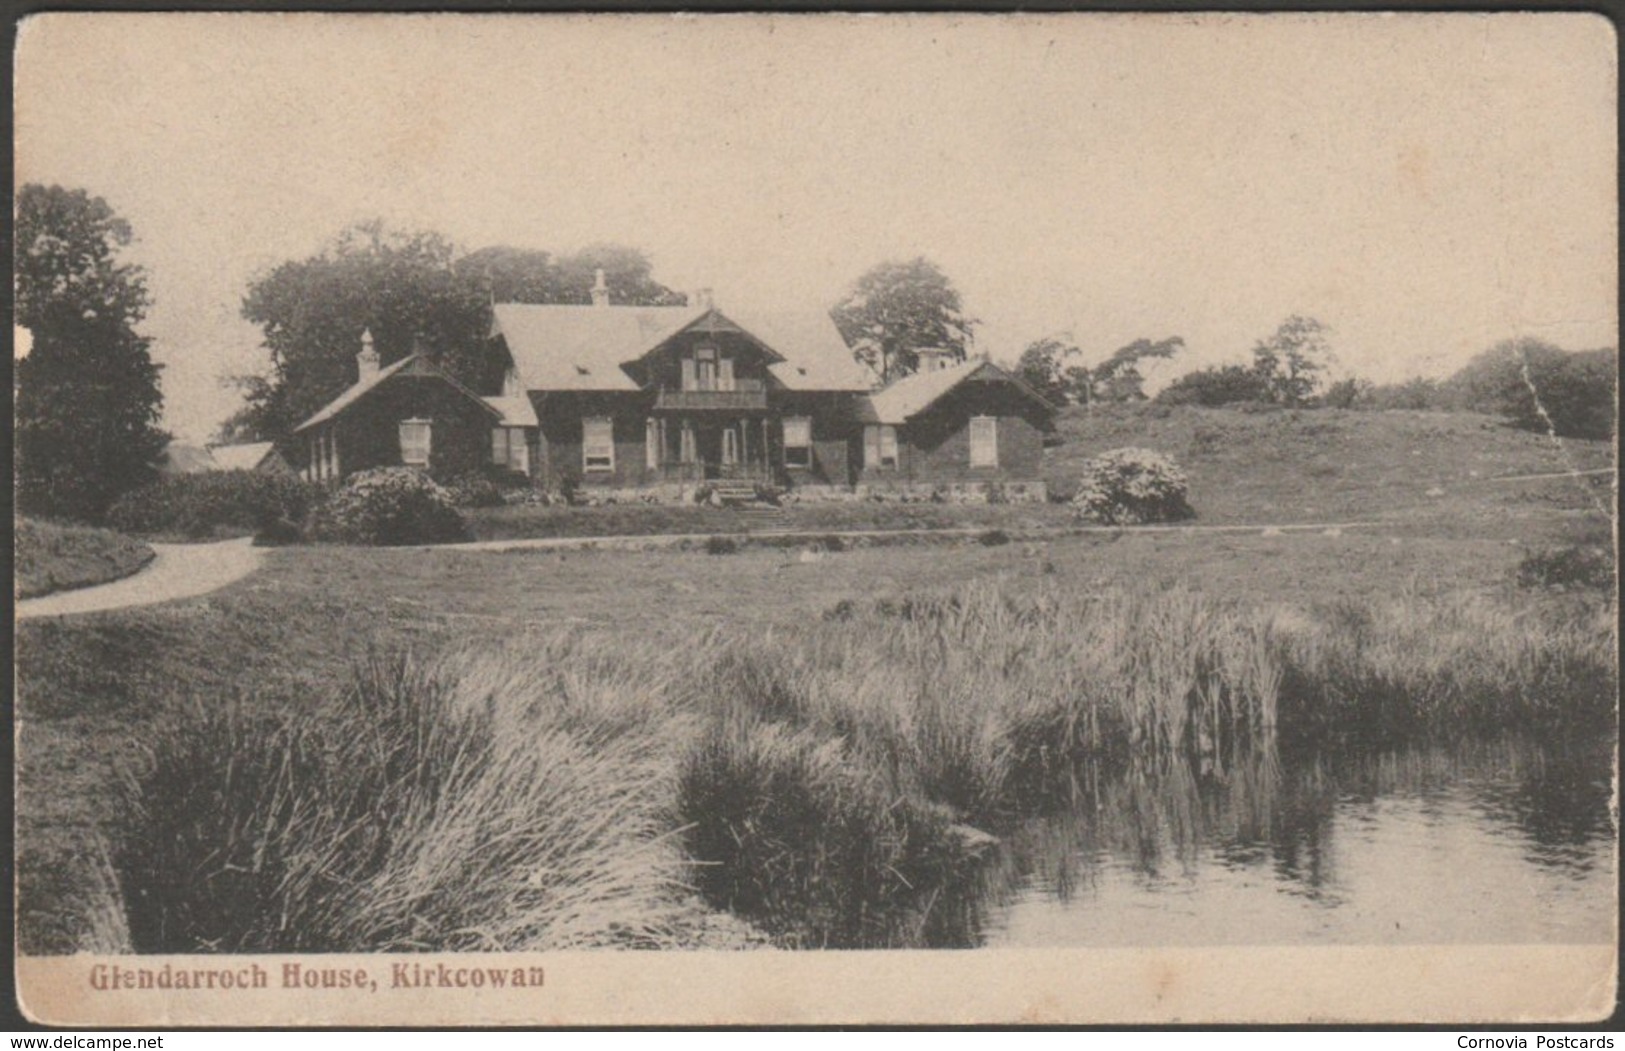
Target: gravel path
177 571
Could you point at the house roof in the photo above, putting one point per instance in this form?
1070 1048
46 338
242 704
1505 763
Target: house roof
244 457
584 348
912 395
416 364
516 410
183 458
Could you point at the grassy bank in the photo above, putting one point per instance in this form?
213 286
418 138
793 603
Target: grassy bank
1276 465
824 782
52 556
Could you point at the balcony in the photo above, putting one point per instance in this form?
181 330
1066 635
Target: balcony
711 401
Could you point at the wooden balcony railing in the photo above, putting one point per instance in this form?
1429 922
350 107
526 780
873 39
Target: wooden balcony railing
712 400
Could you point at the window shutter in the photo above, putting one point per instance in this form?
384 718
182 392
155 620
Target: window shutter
688 374
651 444
871 446
499 446
726 380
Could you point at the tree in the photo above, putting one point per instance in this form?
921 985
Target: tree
1118 378
1042 366
399 284
1289 362
897 308
411 291
1541 387
88 399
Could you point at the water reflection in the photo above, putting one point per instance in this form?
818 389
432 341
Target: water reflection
1508 840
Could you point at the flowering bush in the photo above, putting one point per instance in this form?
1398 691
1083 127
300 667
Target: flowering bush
1131 487
391 505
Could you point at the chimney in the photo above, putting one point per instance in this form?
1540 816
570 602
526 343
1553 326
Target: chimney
366 362
702 299
600 291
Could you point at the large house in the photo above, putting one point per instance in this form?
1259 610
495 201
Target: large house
660 400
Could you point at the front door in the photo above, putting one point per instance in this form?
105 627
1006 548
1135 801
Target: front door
708 445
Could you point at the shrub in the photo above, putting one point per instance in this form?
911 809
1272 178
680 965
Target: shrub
474 490
1212 387
721 545
1575 566
388 506
1131 487
215 503
993 538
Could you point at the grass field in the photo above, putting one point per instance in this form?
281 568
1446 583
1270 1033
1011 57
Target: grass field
100 695
51 556
1272 466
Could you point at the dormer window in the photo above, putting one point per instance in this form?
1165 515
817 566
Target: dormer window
705 368
708 369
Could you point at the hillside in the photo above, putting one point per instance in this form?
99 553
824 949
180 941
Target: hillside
1329 465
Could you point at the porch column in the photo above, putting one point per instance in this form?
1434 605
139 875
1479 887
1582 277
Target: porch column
744 446
665 446
338 466
767 460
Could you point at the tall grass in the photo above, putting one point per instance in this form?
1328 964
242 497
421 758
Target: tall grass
495 801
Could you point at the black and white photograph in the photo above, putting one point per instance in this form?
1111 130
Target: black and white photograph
776 519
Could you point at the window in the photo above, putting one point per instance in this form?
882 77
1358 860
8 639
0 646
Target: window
725 378
415 443
984 441
509 449
651 444
705 368
880 446
686 449
797 442
597 444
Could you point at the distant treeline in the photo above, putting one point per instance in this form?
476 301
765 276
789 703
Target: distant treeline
1531 383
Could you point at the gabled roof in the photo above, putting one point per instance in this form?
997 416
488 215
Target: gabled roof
516 410
244 457
414 364
585 348
815 356
912 395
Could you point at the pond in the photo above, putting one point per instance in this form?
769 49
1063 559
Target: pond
1510 841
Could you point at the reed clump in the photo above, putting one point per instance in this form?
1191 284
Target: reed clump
496 801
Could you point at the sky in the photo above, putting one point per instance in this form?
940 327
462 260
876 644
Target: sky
1424 184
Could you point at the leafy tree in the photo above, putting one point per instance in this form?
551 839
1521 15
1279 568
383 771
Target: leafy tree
1539 386
1118 378
87 395
1211 387
1041 366
1290 360
410 291
897 308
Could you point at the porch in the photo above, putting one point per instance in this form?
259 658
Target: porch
708 447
